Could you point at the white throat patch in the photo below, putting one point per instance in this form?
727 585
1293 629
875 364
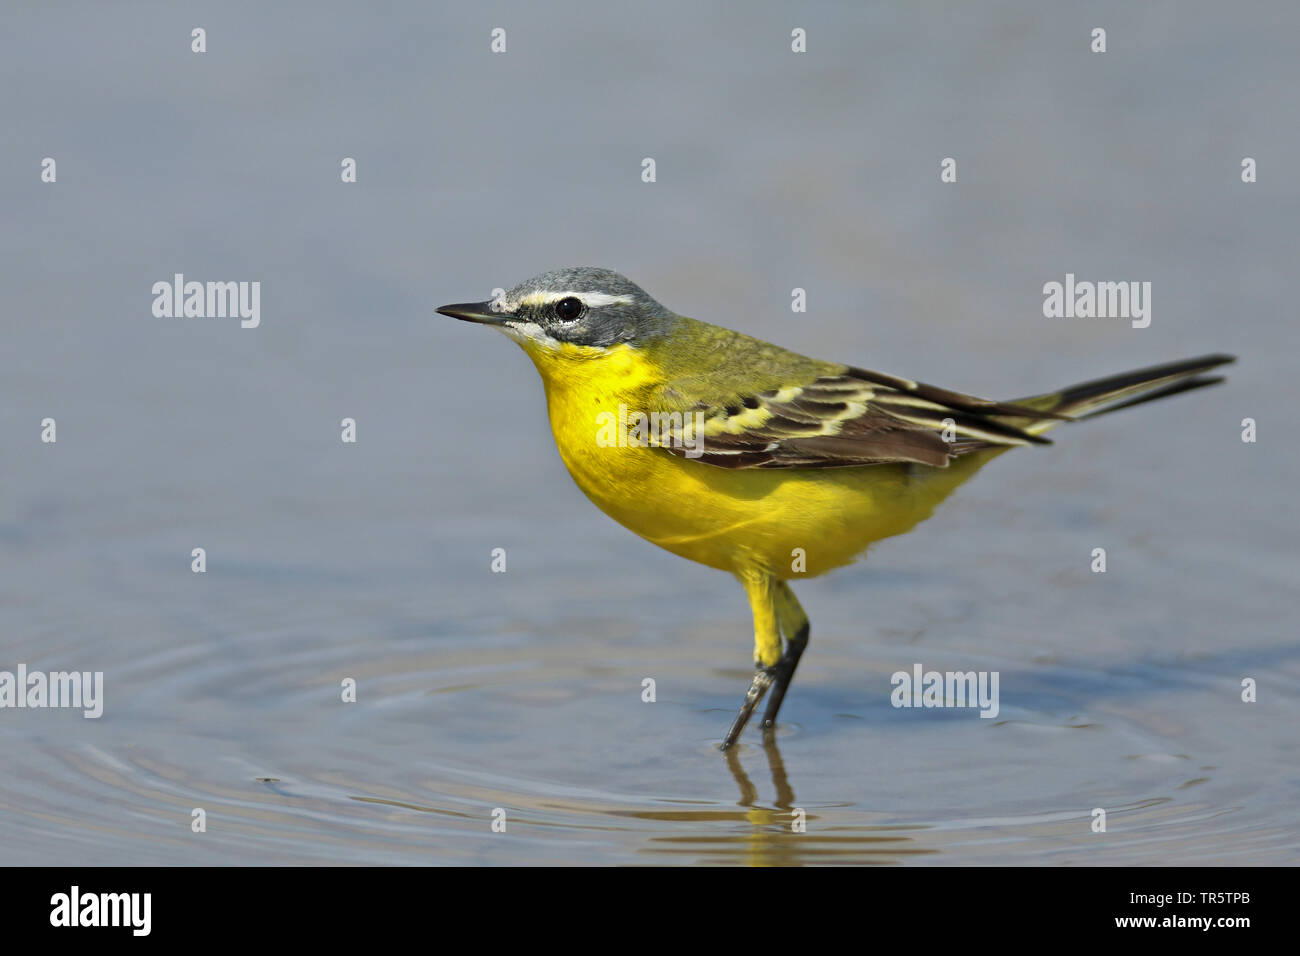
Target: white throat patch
528 332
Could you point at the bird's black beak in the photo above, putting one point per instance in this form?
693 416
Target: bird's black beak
482 312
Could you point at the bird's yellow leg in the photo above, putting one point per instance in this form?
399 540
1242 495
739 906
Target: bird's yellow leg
764 593
790 614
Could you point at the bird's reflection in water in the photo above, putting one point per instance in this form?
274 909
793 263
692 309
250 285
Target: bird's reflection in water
778 834
748 792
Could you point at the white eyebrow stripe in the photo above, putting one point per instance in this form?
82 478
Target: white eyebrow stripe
592 300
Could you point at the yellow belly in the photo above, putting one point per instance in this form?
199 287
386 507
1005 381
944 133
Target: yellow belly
789 522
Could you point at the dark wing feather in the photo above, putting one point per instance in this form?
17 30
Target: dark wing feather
856 417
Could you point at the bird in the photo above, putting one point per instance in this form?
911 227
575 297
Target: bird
746 457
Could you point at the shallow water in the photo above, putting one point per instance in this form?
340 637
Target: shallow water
523 691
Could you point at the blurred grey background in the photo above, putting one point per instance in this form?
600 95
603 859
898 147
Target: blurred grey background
775 170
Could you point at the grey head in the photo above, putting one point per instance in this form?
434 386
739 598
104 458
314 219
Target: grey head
583 305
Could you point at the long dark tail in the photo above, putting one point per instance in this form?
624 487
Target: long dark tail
1089 399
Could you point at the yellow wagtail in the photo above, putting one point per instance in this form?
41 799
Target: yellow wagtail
746 457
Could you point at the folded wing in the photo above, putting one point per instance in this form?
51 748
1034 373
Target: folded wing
853 417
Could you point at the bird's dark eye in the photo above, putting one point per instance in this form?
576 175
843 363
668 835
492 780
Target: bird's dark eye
569 308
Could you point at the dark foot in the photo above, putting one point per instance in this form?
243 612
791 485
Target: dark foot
763 678
782 674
